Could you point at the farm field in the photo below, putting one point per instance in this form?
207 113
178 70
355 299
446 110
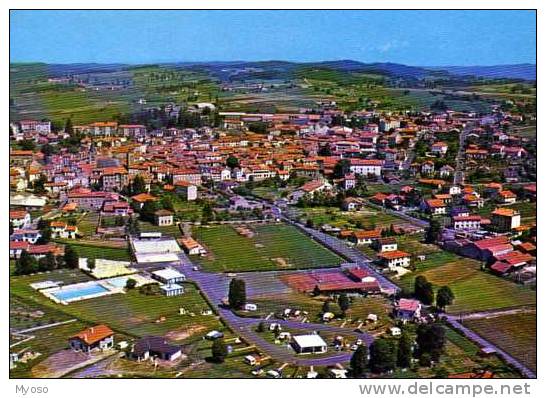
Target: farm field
366 218
274 246
46 342
132 313
516 334
25 314
474 289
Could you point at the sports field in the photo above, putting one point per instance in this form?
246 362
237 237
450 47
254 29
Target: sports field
269 247
474 289
516 334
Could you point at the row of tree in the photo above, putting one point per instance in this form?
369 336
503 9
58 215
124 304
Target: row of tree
387 354
28 264
424 292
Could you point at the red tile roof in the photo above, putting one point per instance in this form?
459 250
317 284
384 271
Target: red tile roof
94 334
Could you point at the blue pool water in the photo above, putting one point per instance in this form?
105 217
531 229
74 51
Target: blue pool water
74 293
119 281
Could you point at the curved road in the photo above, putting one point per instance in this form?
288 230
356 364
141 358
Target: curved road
213 286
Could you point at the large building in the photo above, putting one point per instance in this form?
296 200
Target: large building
505 220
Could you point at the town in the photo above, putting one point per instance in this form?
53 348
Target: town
218 221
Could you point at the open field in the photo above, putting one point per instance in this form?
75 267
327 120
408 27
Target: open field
516 334
275 246
100 251
46 342
474 289
170 230
132 313
366 218
26 314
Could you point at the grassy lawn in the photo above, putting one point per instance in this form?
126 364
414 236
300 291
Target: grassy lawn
46 342
132 313
474 289
273 246
108 253
170 230
88 224
516 334
366 218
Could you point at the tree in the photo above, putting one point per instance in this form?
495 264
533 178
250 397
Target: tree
148 210
232 162
433 231
343 303
207 214
382 355
45 235
431 341
326 307
341 168
404 350
359 361
27 145
444 297
261 327
68 127
38 185
138 185
132 226
71 258
91 264
237 293
130 284
26 264
441 373
424 291
219 351
258 127
47 263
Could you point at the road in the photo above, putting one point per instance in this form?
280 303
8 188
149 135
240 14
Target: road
214 287
458 176
358 257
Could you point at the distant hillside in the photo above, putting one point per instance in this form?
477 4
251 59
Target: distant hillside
516 71
283 69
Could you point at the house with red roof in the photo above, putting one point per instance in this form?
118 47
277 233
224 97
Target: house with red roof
407 309
365 237
19 218
98 337
394 258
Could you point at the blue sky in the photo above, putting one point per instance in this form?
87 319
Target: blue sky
426 38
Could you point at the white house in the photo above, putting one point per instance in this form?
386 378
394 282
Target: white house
309 344
168 276
396 258
172 289
366 166
19 218
466 222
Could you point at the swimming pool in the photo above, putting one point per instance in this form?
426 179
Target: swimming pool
77 293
